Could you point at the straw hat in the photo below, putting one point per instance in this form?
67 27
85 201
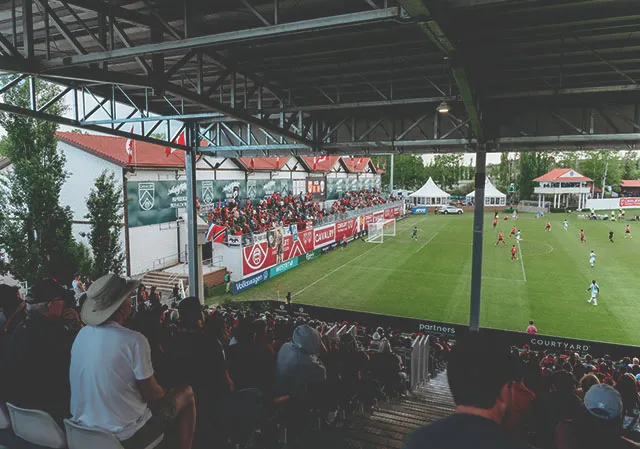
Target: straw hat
104 297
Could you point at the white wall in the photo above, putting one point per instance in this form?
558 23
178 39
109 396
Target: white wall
82 170
609 204
153 247
231 258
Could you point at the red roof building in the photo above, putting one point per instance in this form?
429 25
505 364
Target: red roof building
114 150
568 188
359 164
322 164
630 187
262 163
562 175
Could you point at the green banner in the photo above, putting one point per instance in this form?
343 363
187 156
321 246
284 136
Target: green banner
258 189
152 202
336 188
311 255
212 191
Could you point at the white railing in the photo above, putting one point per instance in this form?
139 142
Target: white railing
554 190
420 361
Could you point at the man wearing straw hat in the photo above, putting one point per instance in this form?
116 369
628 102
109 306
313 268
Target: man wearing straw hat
113 386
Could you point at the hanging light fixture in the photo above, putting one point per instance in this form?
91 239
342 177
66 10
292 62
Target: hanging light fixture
443 108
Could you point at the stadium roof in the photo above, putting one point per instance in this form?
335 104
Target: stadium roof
322 165
336 77
628 183
113 149
262 163
562 175
359 164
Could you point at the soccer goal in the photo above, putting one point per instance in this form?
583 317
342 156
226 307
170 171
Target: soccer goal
378 230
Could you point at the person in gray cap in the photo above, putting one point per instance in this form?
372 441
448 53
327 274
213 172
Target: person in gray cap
599 426
298 366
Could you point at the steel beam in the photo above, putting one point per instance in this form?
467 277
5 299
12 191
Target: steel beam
419 11
478 229
228 37
195 270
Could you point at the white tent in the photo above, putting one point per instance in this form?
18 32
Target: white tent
492 196
430 194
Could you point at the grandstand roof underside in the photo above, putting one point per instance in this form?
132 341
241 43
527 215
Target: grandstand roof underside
267 77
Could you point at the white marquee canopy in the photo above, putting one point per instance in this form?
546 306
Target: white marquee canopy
430 194
492 196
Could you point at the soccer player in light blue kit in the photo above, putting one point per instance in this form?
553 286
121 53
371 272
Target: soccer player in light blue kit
595 291
592 259
566 225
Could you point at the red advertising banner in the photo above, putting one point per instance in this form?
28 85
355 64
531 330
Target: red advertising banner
380 215
346 228
629 202
303 245
397 211
368 219
257 257
324 235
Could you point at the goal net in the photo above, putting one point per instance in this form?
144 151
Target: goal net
378 230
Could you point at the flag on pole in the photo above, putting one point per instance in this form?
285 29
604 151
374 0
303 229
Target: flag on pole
253 164
130 147
215 233
315 162
181 141
277 161
360 161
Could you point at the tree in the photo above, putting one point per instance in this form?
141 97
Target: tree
408 172
104 205
596 163
630 165
447 169
532 165
37 229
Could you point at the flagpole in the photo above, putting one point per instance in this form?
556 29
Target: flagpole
391 176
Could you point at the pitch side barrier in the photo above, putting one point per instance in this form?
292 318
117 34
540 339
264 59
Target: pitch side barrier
536 342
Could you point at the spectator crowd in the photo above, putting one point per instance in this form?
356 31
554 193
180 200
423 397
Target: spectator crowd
285 210
202 377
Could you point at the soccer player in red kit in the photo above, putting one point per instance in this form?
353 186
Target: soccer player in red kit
506 217
582 240
501 238
547 227
495 223
627 232
513 232
513 253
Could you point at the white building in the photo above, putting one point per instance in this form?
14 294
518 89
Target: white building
154 235
565 185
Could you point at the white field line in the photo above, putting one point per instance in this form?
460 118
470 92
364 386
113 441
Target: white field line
365 267
333 271
524 275
341 267
427 242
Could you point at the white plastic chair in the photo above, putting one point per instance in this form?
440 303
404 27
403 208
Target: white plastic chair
37 427
5 420
81 437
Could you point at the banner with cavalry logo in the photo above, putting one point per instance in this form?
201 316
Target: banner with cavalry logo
152 202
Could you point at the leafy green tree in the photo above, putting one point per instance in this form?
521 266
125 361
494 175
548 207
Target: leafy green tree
596 163
531 165
104 205
447 169
630 165
408 172
37 229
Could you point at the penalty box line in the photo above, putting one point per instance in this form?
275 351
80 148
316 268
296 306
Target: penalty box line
341 267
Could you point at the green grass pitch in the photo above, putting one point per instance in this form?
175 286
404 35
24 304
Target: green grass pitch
431 278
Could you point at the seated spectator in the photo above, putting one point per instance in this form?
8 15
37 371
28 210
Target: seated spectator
627 387
36 361
386 367
112 379
252 360
586 382
298 367
598 425
481 377
199 360
552 406
351 364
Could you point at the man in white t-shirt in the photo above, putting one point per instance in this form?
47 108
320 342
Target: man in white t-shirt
112 378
